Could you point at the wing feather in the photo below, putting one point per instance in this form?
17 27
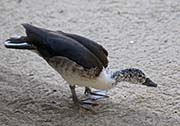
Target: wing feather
51 44
99 51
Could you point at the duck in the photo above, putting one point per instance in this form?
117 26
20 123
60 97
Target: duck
79 60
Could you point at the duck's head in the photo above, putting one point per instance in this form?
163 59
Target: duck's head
134 76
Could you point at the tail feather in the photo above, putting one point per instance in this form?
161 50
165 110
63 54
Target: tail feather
18 43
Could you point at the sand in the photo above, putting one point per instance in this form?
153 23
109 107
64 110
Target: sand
141 34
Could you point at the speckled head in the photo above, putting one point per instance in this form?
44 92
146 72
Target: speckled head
134 76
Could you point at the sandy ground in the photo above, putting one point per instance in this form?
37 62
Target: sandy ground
137 33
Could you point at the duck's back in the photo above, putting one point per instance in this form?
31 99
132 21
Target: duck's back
73 47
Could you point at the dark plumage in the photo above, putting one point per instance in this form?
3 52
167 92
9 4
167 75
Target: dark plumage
77 48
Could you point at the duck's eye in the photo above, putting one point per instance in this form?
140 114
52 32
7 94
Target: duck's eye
139 75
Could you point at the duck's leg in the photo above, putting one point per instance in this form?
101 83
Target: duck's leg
99 94
82 103
74 96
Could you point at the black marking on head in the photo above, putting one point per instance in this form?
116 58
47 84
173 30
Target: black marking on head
133 75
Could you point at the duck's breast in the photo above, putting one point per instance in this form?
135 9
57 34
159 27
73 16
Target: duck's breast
75 74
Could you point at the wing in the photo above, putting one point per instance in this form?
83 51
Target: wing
99 51
51 44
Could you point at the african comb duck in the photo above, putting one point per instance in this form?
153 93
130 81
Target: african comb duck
80 61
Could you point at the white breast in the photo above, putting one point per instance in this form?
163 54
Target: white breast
103 81
75 74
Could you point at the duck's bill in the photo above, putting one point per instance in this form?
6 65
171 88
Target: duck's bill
149 83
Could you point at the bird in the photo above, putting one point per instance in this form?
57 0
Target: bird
79 60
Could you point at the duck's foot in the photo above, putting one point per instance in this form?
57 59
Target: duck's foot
90 101
92 98
95 95
87 105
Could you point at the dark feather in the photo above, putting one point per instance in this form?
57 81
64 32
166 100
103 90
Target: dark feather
99 51
50 44
18 43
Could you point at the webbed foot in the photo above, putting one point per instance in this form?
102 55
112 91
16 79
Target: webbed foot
95 95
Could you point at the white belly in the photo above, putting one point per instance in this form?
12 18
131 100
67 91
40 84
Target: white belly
75 74
103 81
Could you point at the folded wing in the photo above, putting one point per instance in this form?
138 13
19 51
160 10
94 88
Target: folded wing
50 44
